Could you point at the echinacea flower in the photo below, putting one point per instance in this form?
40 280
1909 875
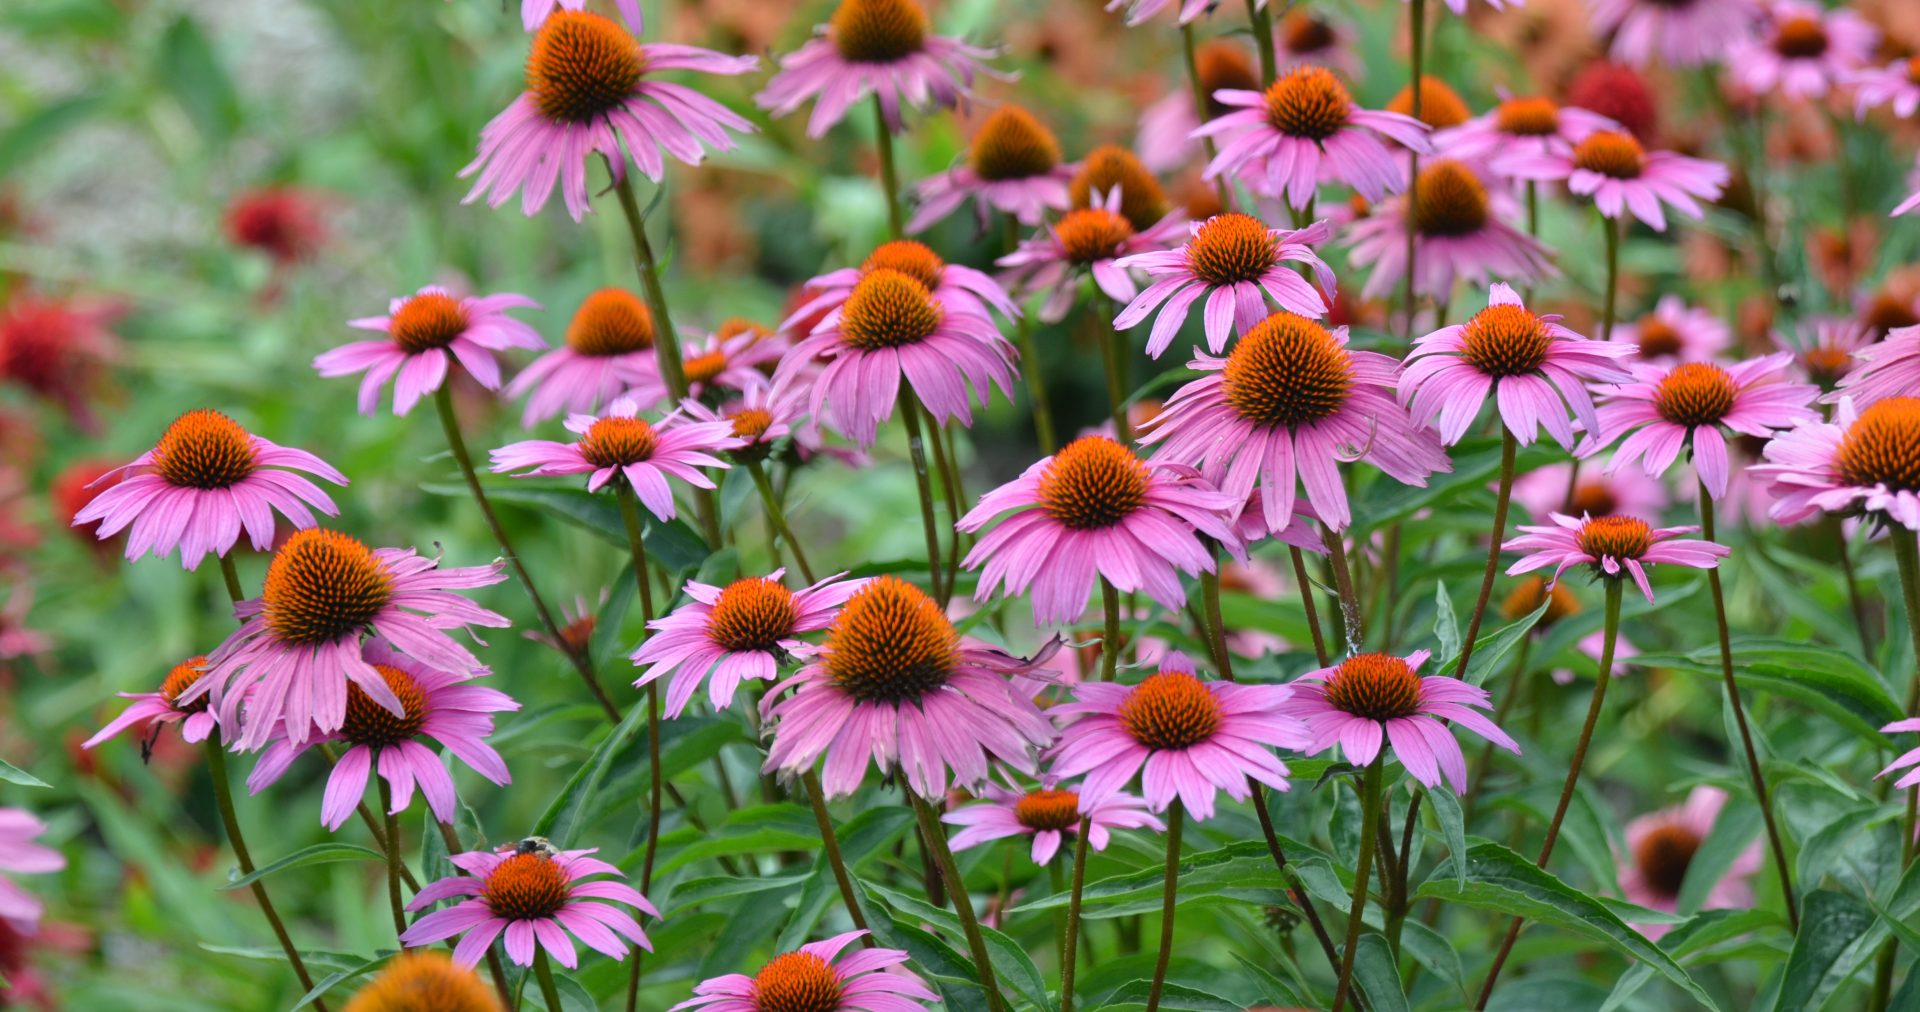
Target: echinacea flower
299 642
715 364
609 350
1238 263
1095 509
1370 697
1887 368
1595 490
884 48
1666 410
813 978
1661 847
1141 11
439 705
1305 130
1683 33
1013 166
1285 407
531 894
593 88
1461 233
1530 364
422 331
1110 167
425 980
1047 813
1614 546
1827 355
20 855
1165 139
1441 108
1675 332
533 13
1802 50
1523 125
891 329
1895 84
1089 241
726 635
896 683
1865 459
1186 738
955 288
164 707
621 445
1623 177
59 349
205 481
1306 36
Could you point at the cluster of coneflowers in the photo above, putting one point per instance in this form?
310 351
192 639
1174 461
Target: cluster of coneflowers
349 650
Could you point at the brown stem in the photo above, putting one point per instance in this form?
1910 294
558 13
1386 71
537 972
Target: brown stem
1168 894
1306 603
817 796
1509 448
223 794
936 842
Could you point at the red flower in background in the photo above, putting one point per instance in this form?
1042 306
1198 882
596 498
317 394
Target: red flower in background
58 348
1618 92
284 222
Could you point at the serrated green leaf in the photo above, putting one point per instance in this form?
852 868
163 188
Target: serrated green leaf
319 853
1831 925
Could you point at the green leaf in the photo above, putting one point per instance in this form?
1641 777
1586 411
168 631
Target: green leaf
37 131
1453 824
1732 831
338 977
760 829
15 775
191 72
1011 964
1240 872
1272 989
1832 924
1499 879
1824 679
860 837
1378 976
1490 650
573 798
952 974
1174 997
1446 628
1698 934
319 853
274 954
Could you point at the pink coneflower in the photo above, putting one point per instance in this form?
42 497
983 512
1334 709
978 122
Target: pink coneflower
533 13
1803 50
892 328
1307 37
206 480
1305 130
20 855
298 645
531 893
1013 166
714 364
1238 263
621 445
422 330
881 47
955 288
151 709
1622 176
1089 241
1668 409
1675 332
1596 491
439 705
1047 813
1095 509
1186 738
1896 84
726 635
609 350
1165 139
591 87
1828 355
1684 33
59 350
896 683
1286 407
1368 697
1865 459
1887 368
1461 233
1661 846
1527 125
1140 11
1529 363
1612 545
813 978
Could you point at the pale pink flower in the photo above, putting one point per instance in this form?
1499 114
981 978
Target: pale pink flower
870 980
1827 355
1864 460
1598 491
1527 125
1463 232
1661 846
955 288
884 48
1675 332
622 445
20 855
1896 84
1623 177
1802 50
196 719
1013 166
715 364
1238 263
1684 33
533 13
1047 813
1087 242
1305 130
608 350
531 894
1887 368
1614 546
423 331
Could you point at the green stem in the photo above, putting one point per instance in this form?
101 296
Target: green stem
889 174
1057 879
443 400
394 862
945 462
1168 894
1306 603
936 841
1216 626
1533 222
1417 32
232 575
1262 21
494 969
1069 948
778 517
1759 778
1370 798
1605 675
1608 315
817 796
643 581
909 410
1202 106
1343 580
1855 601
223 795
1113 349
1110 641
1509 448
544 974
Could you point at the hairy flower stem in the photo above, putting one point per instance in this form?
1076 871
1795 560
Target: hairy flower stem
817 796
1759 778
1605 675
1113 349
1168 894
1069 945
1110 641
948 463
1515 683
1855 601
777 515
936 843
889 174
1343 579
1262 20
544 974
1216 627
1509 447
223 794
642 580
1417 35
1607 314
909 411
1030 359
394 862
1305 584
443 400
1370 803
232 576
1201 104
